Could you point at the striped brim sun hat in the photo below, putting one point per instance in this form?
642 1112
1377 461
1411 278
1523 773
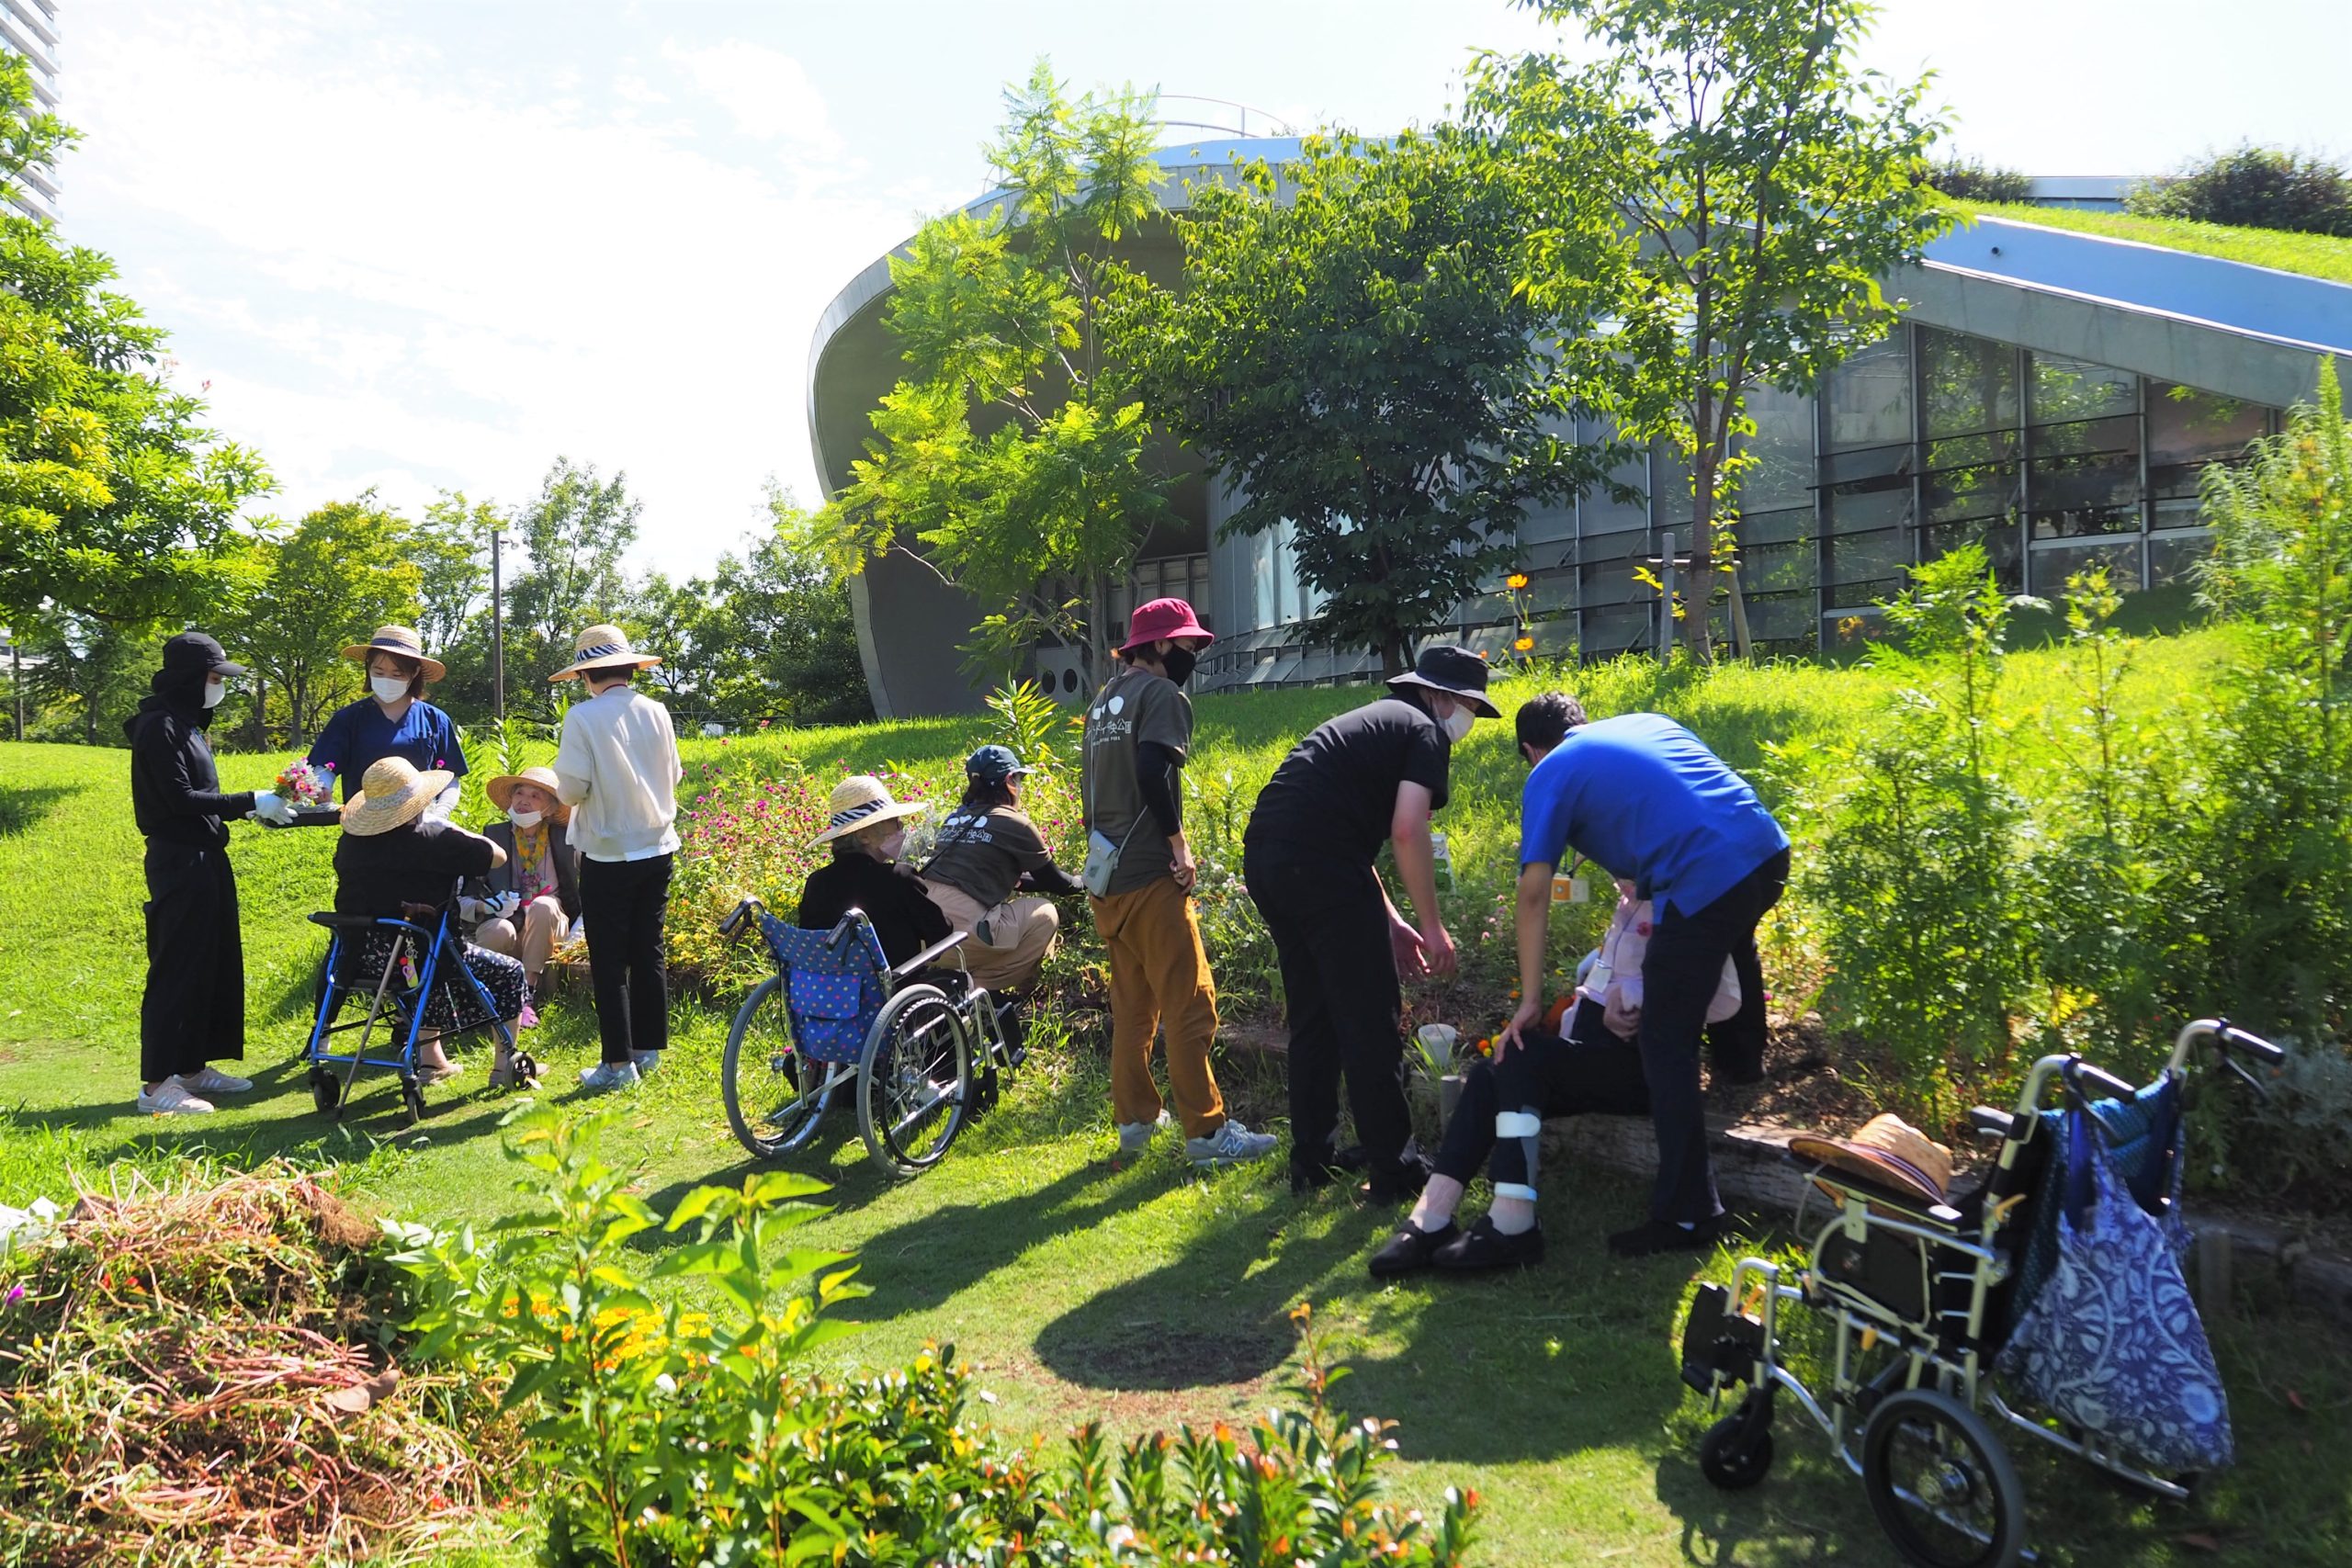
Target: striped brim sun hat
1888 1150
604 648
860 801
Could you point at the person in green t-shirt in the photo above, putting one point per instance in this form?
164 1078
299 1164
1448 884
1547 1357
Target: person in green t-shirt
1139 728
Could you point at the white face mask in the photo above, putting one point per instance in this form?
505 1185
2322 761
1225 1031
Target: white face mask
522 819
389 689
894 846
1457 724
213 691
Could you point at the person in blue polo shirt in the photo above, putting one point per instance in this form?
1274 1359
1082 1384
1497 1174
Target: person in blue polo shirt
1643 798
393 719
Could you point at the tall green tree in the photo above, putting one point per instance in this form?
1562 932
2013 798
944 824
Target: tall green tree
343 571
450 546
84 675
115 500
1349 350
1768 182
575 531
1014 457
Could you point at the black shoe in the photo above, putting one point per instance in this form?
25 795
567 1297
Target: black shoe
1483 1249
1654 1237
1400 1183
1410 1249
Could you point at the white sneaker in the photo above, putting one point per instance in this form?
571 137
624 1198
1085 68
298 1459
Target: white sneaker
172 1100
1229 1145
1135 1137
645 1061
212 1080
608 1075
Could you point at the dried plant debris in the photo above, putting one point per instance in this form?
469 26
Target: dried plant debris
198 1372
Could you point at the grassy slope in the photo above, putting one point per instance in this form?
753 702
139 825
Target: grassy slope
1142 1295
2314 255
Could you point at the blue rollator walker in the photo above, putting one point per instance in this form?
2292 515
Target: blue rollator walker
920 1051
1925 1297
423 954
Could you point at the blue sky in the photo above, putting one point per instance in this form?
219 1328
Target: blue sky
432 246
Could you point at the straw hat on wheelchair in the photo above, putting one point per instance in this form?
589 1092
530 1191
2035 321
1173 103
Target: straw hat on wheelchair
604 648
1889 1151
860 801
501 790
391 791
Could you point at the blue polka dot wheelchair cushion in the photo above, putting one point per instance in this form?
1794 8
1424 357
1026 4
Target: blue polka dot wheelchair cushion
834 994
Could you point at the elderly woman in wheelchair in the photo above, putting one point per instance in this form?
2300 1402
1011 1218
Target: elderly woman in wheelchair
396 877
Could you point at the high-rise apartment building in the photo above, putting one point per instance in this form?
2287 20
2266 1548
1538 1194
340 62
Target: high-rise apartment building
29 28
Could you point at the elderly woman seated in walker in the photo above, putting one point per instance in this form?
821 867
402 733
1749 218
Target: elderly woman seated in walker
393 861
1587 1061
530 902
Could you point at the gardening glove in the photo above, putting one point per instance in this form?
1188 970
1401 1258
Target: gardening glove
473 911
272 809
443 805
508 902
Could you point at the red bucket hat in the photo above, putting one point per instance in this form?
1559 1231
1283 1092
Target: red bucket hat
1159 618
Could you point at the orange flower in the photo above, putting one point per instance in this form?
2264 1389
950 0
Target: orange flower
1515 582
1523 644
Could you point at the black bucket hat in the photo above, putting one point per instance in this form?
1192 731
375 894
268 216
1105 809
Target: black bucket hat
1457 672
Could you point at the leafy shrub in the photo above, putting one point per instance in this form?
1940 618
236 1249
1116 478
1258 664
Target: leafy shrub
2254 187
665 1437
1972 179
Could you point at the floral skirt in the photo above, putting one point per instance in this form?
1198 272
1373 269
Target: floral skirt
454 1005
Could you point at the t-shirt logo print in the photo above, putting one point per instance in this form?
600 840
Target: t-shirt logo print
1117 705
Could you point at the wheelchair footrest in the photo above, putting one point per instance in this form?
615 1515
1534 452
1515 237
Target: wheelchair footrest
1720 1346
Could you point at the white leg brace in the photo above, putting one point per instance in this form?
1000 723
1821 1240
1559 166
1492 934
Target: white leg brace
1527 1127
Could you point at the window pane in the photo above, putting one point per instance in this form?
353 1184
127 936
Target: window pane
1976 490
1771 569
2175 559
1969 387
1869 396
1614 630
2004 551
1605 569
1777 527
2085 477
1603 513
1780 473
2188 430
1782 618
1871 500
2075 388
1864 570
2052 568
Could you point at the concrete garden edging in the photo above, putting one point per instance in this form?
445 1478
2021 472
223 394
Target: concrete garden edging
1753 1171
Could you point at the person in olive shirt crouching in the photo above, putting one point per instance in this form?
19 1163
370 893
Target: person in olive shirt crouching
988 850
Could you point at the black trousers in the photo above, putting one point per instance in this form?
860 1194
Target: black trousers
194 1008
624 903
1340 990
1590 1073
1680 974
1736 1046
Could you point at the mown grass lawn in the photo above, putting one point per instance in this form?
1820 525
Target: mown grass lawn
1143 1296
2314 255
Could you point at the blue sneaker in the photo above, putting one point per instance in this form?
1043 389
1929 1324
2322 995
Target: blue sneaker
645 1061
608 1075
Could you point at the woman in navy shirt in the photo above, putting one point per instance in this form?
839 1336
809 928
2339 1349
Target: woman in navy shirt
393 719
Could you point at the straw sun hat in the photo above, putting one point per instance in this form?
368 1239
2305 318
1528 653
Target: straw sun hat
391 791
860 801
602 648
501 790
402 640
1889 1151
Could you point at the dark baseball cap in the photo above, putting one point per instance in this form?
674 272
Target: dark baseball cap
193 651
994 764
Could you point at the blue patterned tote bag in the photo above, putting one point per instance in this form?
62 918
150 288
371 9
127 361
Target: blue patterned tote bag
2112 1342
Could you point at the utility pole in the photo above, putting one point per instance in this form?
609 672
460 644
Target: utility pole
497 629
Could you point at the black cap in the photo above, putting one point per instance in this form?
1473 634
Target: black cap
191 652
1457 672
993 766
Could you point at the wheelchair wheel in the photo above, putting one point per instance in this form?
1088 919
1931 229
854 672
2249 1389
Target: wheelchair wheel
914 1082
413 1100
326 1091
1941 1485
774 1093
1737 1451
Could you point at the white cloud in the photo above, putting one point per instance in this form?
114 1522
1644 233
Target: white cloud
768 92
407 271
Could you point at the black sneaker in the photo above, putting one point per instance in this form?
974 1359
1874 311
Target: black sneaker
1401 1182
1484 1249
1410 1249
1654 1237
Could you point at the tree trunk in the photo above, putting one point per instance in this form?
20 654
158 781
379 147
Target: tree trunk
1393 661
1699 583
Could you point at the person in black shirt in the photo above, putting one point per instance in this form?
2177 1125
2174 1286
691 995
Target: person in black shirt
868 832
1373 774
390 862
988 851
193 1013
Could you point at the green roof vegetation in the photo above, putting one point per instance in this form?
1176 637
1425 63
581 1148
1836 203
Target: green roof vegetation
2314 255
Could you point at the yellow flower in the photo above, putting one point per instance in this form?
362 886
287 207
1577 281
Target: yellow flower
1515 582
1523 644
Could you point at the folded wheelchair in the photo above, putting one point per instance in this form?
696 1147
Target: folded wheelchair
421 957
919 1049
1921 1298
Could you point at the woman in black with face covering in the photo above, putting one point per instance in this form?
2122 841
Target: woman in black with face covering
194 1011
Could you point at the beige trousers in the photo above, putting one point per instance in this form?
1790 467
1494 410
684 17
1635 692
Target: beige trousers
1020 934
542 924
